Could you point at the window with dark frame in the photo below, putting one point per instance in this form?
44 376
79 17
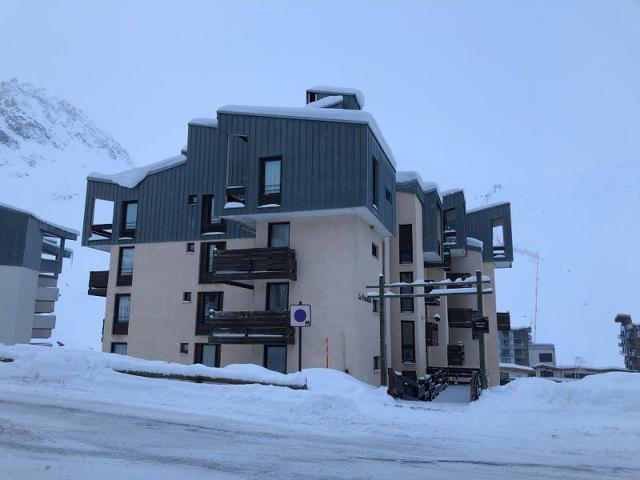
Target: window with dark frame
277 297
191 247
275 358
270 181
405 244
375 182
545 357
207 354
208 213
449 219
374 250
408 342
376 363
279 234
312 97
236 196
125 267
119 347
122 308
208 253
186 297
432 335
208 304
192 199
184 348
375 305
129 219
406 303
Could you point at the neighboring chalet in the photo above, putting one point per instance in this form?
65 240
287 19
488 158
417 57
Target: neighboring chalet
267 207
31 256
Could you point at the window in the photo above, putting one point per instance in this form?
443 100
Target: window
405 243
119 348
102 222
129 219
192 199
208 213
209 251
208 303
545 357
275 358
191 247
408 342
388 195
406 303
270 177
432 335
374 250
375 182
278 235
311 97
207 354
125 267
235 197
186 297
546 373
277 297
450 219
123 308
184 348
376 305
376 363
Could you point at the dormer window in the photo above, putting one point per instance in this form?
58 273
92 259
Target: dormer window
312 97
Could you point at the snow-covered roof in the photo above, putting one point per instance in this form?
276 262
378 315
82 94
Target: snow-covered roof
452 191
71 231
326 102
486 207
410 176
132 177
339 90
515 366
322 114
204 122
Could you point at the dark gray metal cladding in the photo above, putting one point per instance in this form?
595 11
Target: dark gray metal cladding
432 226
21 241
455 200
323 166
480 223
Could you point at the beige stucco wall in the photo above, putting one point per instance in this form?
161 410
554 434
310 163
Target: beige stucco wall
438 354
334 265
408 211
18 286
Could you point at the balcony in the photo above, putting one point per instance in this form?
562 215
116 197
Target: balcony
98 283
264 327
101 231
248 264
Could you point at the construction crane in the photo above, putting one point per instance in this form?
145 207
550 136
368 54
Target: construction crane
535 257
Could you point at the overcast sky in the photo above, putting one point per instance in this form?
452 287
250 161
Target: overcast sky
540 98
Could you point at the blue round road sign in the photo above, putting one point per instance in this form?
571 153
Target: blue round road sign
300 315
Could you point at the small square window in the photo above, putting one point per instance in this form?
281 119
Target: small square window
192 199
184 348
374 250
186 297
376 363
191 247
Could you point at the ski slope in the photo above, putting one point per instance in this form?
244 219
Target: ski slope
66 414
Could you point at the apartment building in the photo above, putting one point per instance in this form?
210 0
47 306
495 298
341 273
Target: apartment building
514 345
268 207
32 251
542 353
629 341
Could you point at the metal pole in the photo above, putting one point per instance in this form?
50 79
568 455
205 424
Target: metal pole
383 345
299 349
483 362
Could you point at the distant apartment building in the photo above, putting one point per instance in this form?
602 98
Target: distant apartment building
542 353
31 256
629 341
564 373
514 345
269 207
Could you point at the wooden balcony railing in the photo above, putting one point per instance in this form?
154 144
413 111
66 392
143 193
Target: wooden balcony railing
249 264
263 327
98 283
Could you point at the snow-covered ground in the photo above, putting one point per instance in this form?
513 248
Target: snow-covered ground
66 414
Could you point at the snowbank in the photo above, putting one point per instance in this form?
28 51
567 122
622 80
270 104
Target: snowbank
59 364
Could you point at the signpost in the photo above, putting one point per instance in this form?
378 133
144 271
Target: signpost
300 316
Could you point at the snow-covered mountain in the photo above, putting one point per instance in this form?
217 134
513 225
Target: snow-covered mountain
47 148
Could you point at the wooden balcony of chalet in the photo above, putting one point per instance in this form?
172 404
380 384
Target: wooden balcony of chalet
248 264
262 327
